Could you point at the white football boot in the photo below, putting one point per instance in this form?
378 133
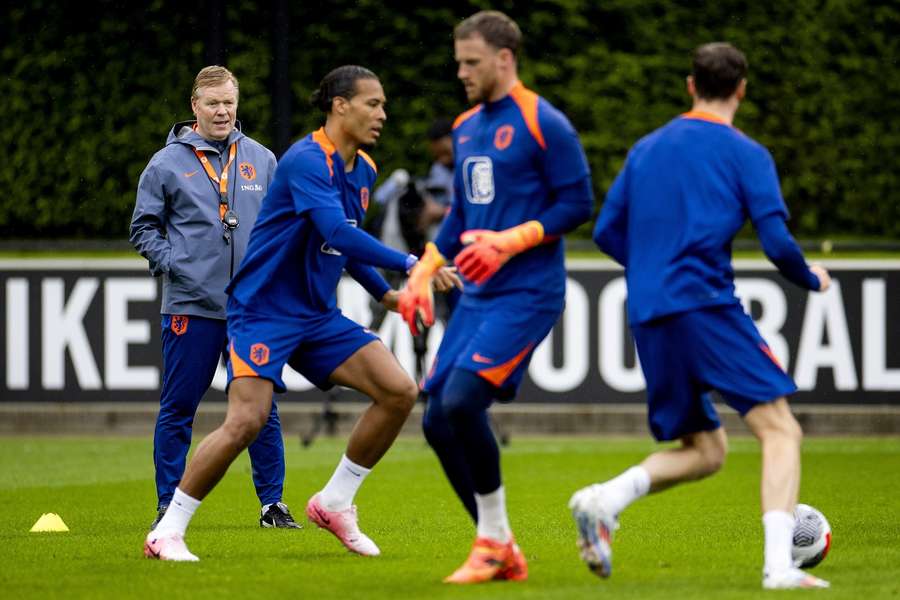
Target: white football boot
596 525
792 578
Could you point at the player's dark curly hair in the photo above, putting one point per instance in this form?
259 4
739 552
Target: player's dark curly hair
718 70
339 83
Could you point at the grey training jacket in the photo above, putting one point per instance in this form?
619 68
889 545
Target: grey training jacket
176 224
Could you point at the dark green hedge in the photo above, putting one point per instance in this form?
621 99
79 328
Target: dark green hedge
89 92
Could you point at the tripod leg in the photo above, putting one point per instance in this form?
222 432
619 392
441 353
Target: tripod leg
306 439
501 435
420 347
328 418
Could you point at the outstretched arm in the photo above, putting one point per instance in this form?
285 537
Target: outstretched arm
447 238
782 250
368 277
331 223
488 251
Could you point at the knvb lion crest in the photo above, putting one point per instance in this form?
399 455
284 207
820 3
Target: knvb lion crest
259 354
364 198
179 324
247 171
504 136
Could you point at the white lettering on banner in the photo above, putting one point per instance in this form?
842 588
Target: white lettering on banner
770 296
62 328
576 346
119 332
394 332
612 340
876 375
354 301
824 348
220 378
395 335
293 381
17 346
825 312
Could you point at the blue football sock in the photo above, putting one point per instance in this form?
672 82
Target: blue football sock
466 399
440 437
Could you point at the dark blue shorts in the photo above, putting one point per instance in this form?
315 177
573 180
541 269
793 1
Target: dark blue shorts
493 338
261 344
685 356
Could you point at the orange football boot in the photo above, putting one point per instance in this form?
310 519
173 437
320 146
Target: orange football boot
490 560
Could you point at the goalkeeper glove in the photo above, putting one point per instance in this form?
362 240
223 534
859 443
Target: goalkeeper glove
416 298
487 250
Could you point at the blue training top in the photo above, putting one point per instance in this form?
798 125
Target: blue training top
671 214
306 234
518 159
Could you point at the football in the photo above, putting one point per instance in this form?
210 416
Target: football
812 537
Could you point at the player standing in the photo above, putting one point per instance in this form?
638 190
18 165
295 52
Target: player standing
521 181
670 217
188 228
282 309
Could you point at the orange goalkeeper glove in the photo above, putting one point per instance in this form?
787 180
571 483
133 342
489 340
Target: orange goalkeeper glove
417 298
487 250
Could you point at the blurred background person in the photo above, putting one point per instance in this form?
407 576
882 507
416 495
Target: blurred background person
413 207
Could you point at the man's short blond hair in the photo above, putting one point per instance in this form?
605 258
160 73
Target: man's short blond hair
495 27
212 76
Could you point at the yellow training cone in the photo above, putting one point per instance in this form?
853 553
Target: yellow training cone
49 522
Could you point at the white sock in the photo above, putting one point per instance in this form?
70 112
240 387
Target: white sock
492 520
779 534
340 490
624 489
179 513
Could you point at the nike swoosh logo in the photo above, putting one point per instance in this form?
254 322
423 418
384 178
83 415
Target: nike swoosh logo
322 516
354 472
191 174
464 139
482 359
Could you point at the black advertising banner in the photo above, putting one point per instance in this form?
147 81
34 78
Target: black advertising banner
88 330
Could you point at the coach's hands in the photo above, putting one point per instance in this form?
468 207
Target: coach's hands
487 251
824 278
416 298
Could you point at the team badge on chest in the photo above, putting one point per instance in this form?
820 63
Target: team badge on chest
247 171
504 136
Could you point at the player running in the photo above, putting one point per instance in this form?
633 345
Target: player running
670 217
521 181
282 309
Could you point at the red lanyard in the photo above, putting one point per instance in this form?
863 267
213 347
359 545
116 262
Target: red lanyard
221 180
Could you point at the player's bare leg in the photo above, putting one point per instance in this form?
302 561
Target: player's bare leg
780 437
700 455
374 371
596 508
249 402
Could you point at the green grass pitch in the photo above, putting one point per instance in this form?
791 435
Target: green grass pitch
701 540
